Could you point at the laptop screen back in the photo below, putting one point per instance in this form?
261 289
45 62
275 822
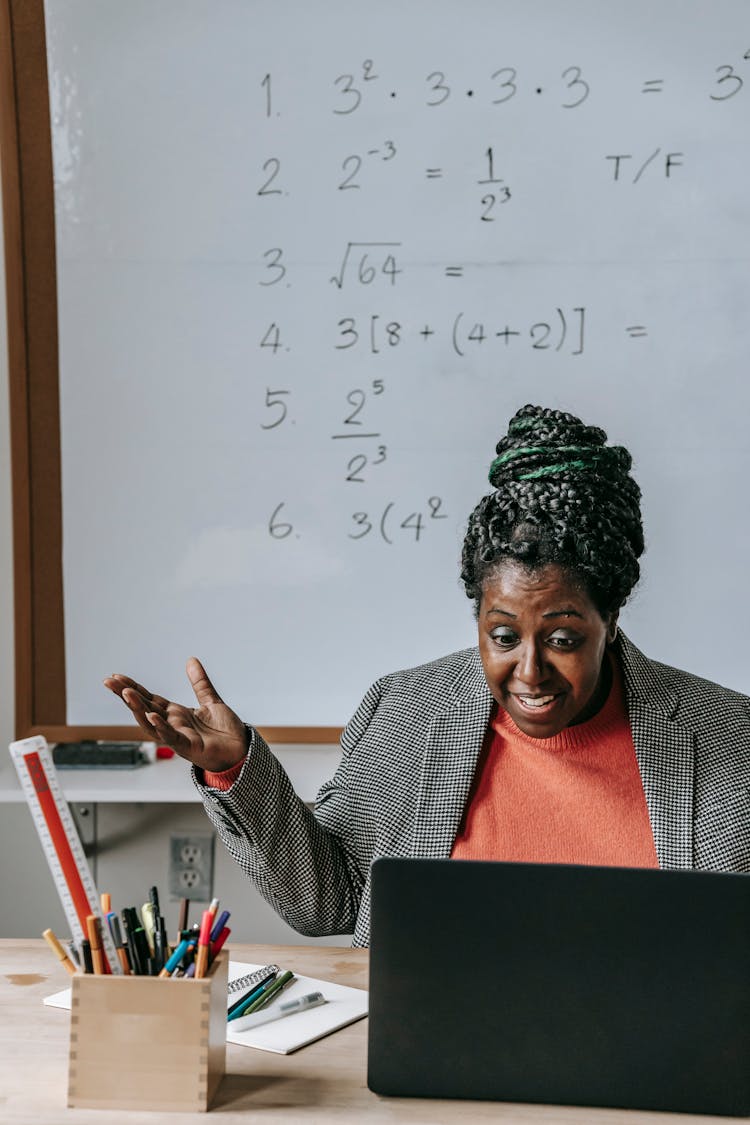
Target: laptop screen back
560 984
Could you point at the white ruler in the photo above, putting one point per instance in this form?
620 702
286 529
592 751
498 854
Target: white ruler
60 840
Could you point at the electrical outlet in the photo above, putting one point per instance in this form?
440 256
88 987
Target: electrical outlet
191 867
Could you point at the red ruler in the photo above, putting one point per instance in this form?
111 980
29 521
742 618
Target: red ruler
60 840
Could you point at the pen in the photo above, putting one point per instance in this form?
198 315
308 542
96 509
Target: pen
129 921
110 917
219 925
311 1000
73 953
58 950
238 1006
93 928
141 944
204 941
182 918
153 895
219 940
160 945
173 961
106 902
88 964
149 925
122 953
269 991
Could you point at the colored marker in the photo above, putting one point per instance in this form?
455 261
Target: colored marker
219 925
93 928
204 942
88 964
174 960
122 953
218 942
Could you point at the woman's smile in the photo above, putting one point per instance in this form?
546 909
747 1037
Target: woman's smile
543 645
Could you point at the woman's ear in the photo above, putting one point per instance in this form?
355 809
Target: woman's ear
612 627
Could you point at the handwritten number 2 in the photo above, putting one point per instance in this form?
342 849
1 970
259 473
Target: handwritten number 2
275 166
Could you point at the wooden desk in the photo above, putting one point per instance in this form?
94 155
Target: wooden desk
325 1082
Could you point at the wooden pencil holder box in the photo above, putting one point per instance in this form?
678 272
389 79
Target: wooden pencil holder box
148 1043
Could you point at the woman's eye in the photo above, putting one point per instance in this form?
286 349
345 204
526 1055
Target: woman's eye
505 638
563 640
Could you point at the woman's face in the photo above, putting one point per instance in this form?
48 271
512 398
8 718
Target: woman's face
542 642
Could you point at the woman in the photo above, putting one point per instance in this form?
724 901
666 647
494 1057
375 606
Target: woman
555 740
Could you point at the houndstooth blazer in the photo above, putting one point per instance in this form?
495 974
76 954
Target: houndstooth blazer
409 756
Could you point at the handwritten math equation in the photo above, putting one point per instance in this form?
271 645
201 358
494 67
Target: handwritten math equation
366 289
368 85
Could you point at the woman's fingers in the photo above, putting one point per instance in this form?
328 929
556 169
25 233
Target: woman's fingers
171 734
205 692
118 683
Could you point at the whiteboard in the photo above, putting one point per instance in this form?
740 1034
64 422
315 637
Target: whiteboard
311 257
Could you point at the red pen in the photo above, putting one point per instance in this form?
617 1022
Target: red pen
219 940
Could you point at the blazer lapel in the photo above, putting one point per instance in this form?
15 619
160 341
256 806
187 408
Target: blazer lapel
454 741
666 756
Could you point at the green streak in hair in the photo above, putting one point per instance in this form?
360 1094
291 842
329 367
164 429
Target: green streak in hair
531 450
554 470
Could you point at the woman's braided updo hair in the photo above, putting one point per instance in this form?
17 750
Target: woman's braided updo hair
561 496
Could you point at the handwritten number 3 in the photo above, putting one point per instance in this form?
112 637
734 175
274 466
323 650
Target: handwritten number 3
727 75
575 80
347 87
438 85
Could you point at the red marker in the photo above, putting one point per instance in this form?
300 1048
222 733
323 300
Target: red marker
204 943
219 940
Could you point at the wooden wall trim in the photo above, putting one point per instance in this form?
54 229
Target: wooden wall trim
28 204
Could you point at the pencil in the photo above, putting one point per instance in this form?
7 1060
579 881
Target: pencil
58 951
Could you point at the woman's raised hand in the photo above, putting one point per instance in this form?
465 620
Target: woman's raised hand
210 735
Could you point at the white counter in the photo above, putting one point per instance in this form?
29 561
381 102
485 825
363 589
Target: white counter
308 766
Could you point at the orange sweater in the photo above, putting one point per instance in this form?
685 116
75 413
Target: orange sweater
574 798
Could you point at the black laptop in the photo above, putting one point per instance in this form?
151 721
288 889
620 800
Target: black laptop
560 984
